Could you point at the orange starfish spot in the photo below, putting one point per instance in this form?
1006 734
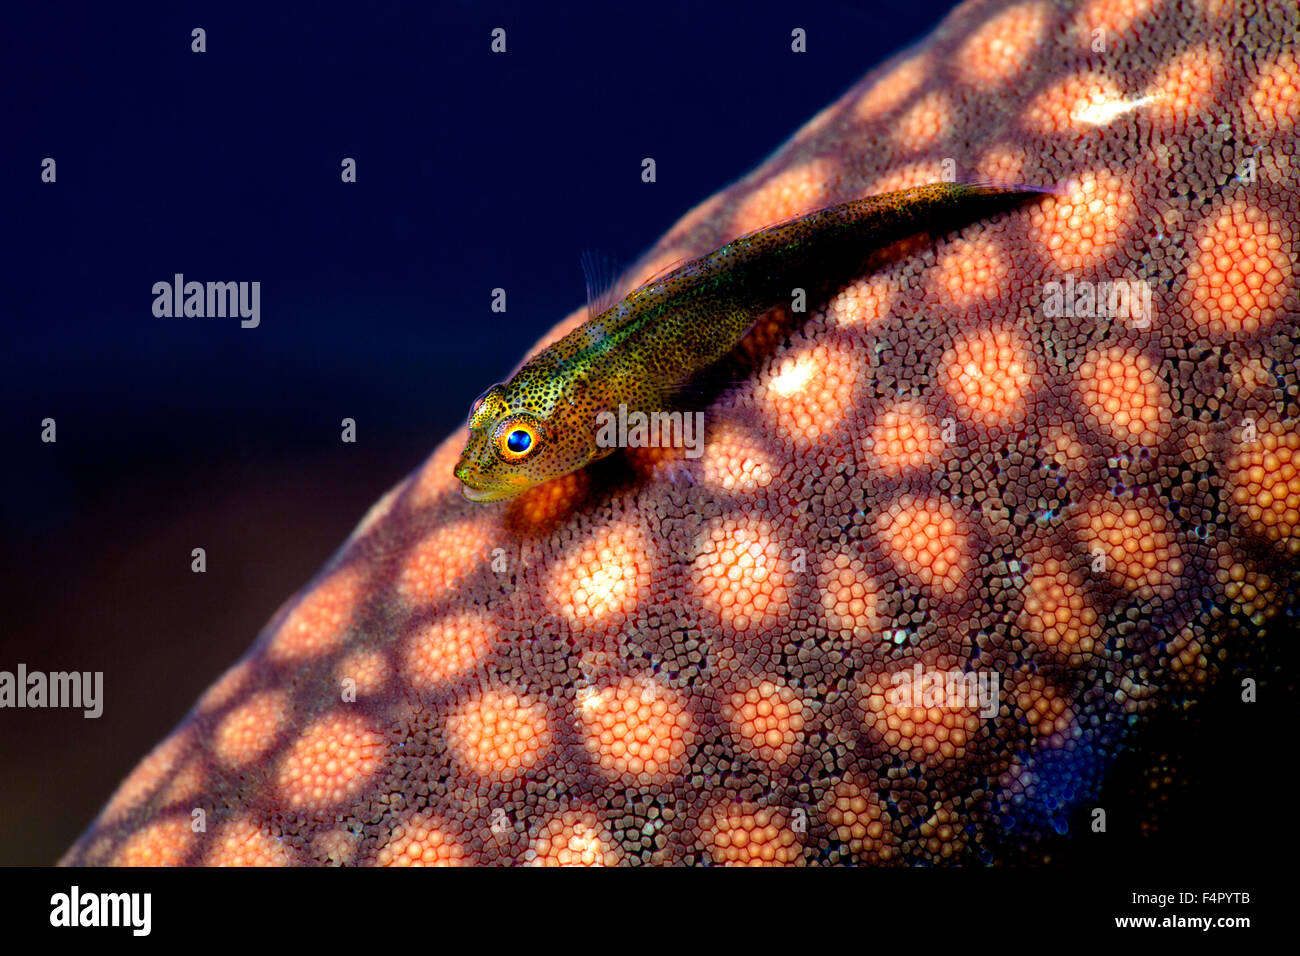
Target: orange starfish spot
1244 272
863 303
146 778
437 564
499 734
165 842
907 176
926 122
637 728
543 506
332 762
602 582
734 462
858 819
248 731
319 622
1085 226
1123 396
987 375
573 838
1004 163
891 89
970 270
905 437
227 686
740 574
1115 16
1274 98
241 842
943 834
1042 706
1057 614
1132 544
796 191
1000 50
926 540
1264 475
1061 444
421 839
1185 88
367 669
447 647
1076 104
186 784
924 734
849 597
809 392
741 835
767 720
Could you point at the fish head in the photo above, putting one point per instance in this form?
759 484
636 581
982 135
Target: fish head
516 442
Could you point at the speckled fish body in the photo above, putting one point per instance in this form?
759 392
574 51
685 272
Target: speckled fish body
543 422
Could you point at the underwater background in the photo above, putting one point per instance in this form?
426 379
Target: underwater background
474 171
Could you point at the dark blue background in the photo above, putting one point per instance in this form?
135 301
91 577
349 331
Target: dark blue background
475 171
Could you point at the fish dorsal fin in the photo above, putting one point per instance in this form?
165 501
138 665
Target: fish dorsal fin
601 275
663 271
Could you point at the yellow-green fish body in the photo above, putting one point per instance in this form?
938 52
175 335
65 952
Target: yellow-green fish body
543 423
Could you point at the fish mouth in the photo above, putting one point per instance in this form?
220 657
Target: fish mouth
482 495
473 488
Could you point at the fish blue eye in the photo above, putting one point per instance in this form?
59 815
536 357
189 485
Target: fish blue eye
519 441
